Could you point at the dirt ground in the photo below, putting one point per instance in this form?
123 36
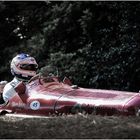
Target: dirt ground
76 126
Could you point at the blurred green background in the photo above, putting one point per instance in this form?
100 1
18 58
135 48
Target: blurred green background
95 44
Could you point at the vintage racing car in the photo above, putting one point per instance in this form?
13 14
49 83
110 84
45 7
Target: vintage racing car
43 96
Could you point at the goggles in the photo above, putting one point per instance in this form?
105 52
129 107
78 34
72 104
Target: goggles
31 67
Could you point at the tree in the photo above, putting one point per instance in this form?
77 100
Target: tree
96 44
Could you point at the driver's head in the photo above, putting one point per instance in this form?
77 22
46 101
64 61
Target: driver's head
24 66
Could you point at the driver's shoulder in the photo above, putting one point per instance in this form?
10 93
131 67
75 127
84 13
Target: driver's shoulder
7 87
11 84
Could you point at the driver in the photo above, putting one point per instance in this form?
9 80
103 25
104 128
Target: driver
23 67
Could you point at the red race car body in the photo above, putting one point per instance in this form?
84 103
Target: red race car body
40 98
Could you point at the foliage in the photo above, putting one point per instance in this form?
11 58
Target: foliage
96 44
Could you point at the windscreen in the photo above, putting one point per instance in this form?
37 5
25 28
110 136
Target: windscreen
48 73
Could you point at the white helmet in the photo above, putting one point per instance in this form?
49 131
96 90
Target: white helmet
24 66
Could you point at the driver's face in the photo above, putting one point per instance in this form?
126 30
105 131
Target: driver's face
31 67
